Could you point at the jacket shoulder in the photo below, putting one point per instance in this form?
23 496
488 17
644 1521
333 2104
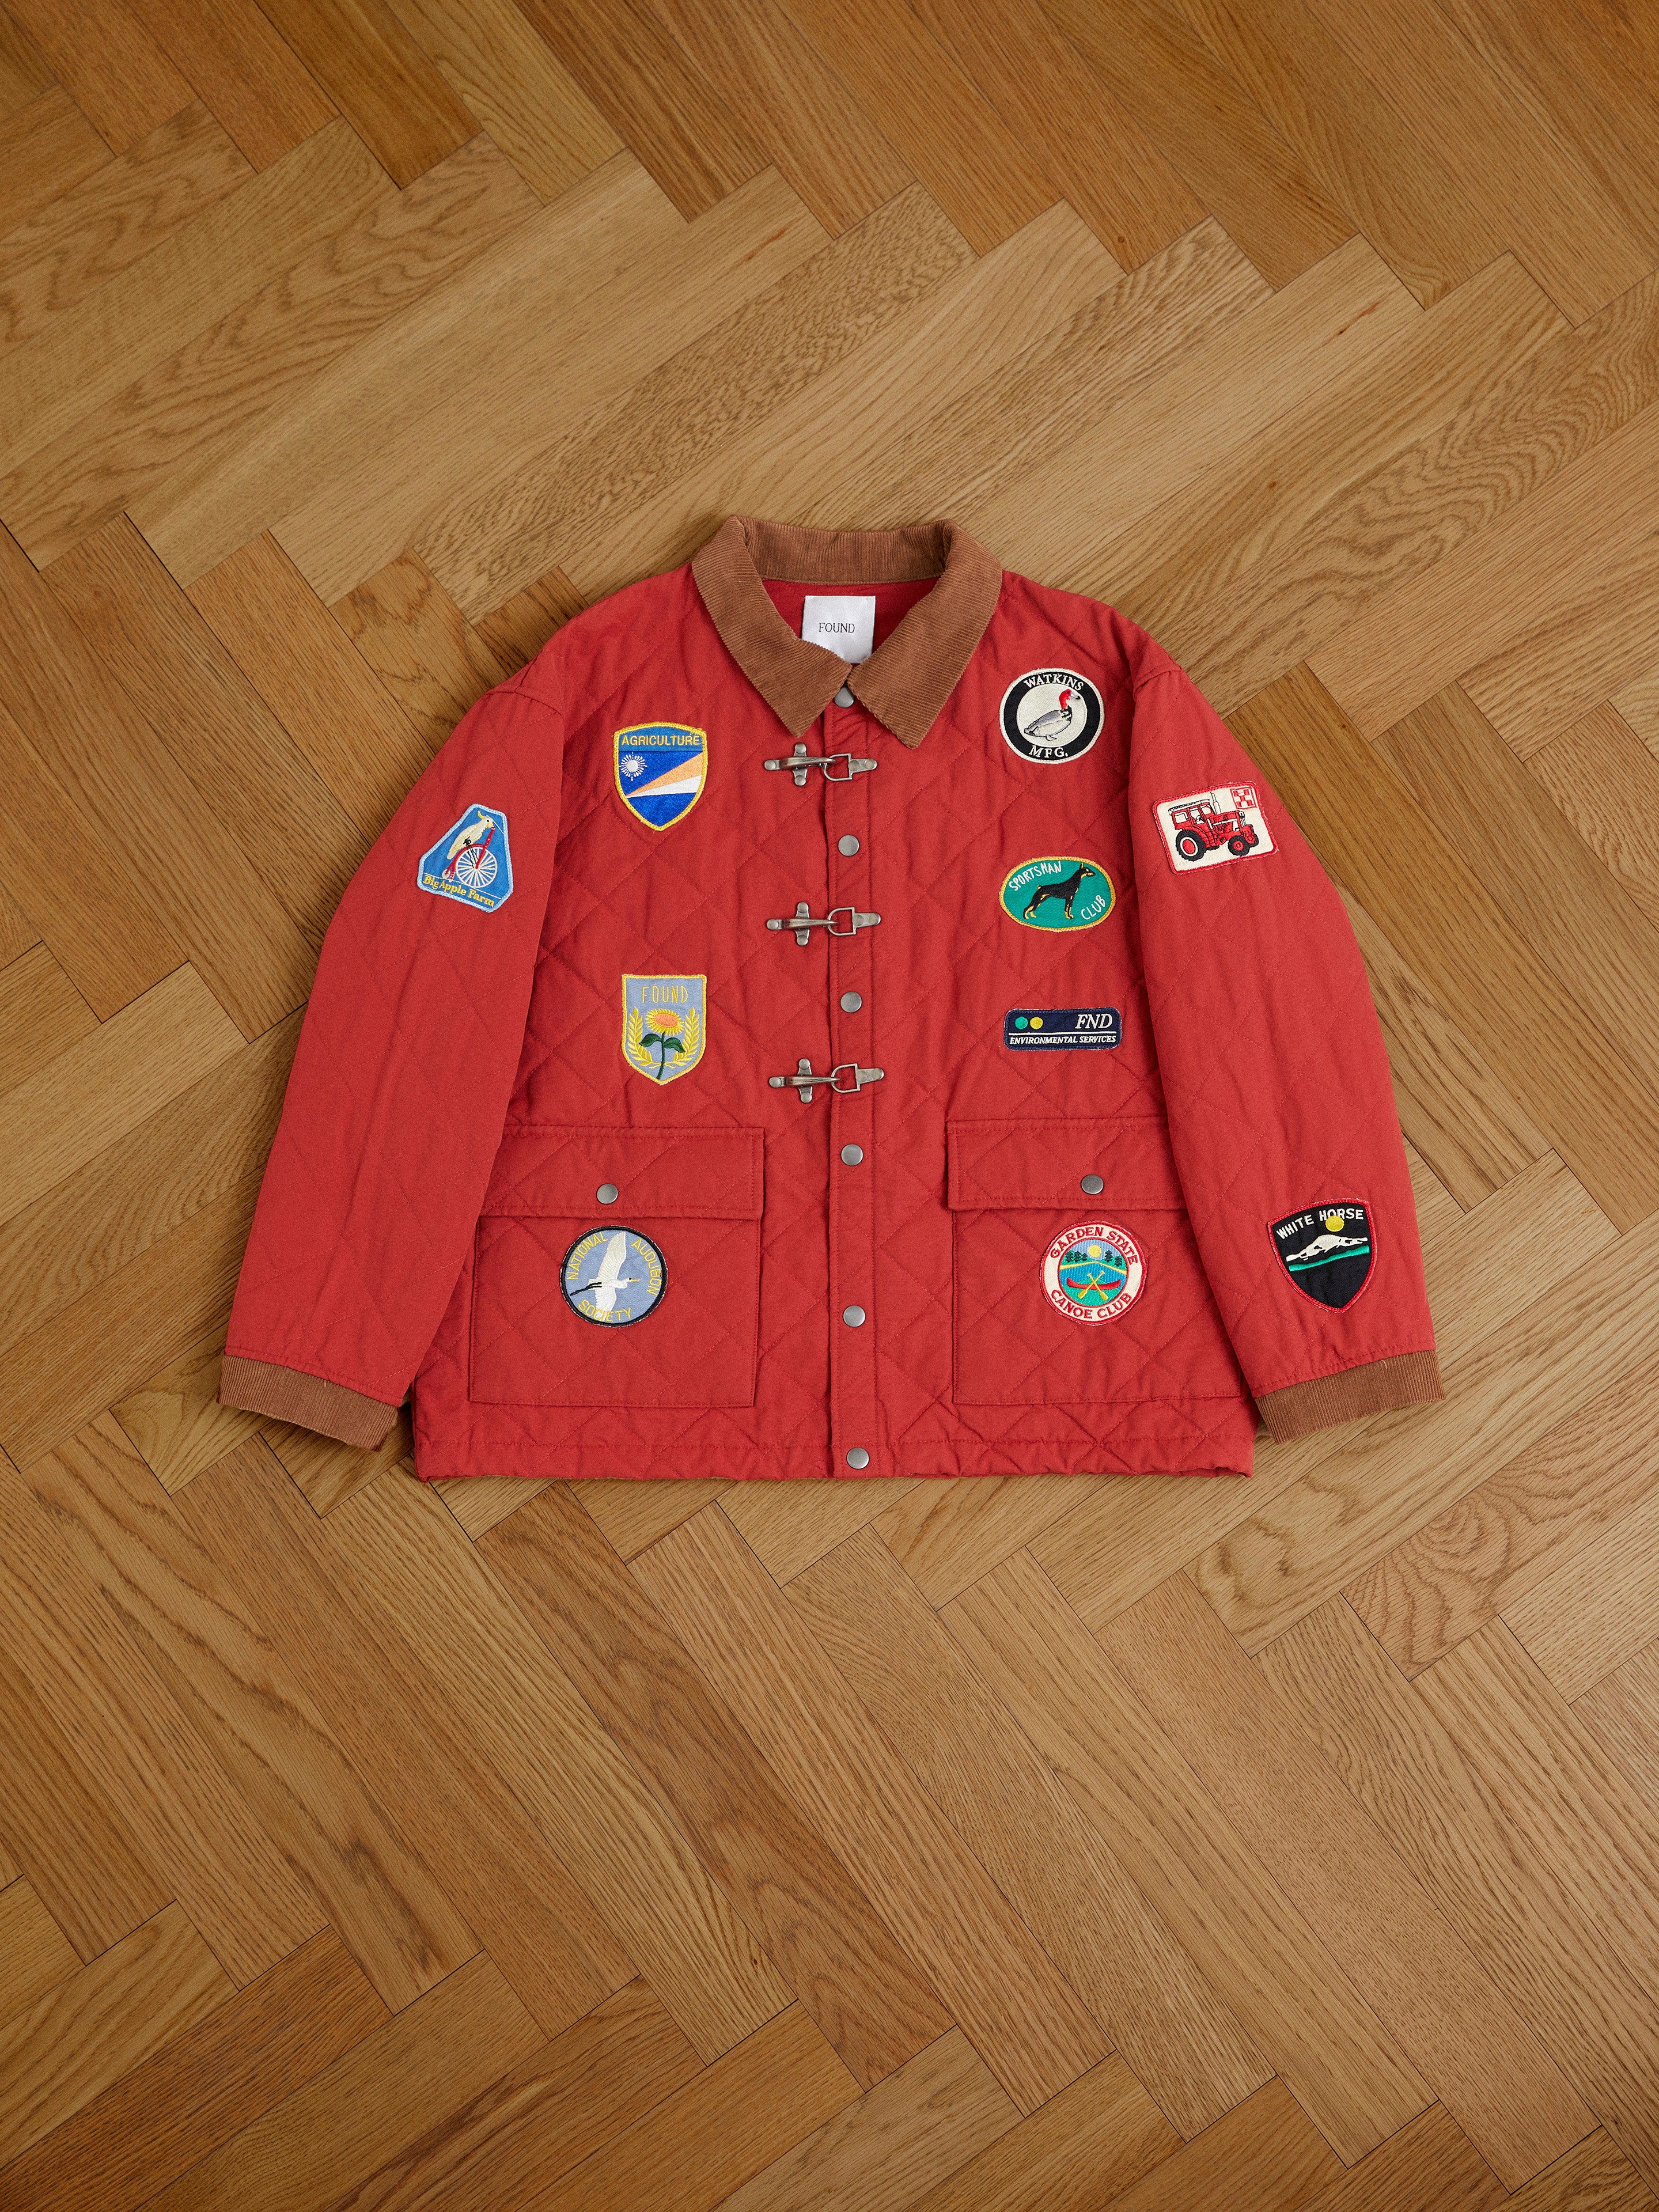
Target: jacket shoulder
614 630
1125 654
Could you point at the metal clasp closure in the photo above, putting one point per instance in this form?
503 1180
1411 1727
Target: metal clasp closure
803 923
800 759
805 1082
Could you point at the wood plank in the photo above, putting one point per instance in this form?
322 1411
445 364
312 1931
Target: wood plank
1622 1713
379 79
404 1740
18 934
138 1748
90 912
143 449
1532 1913
1002 1989
182 287
516 631
1638 703
24 70
428 2061
654 96
1480 1277
1561 664
788 1532
1253 1946
1096 2139
46 147
348 727
242 69
1431 2166
795 107
630 1855
100 1088
118 77
1265 2154
811 1917
183 1610
1595 1111
41 1016
35 1955
1606 782
415 639
326 1474
477 1502
175 1421
1490 1548
119 214
1599 1607
1592 2174
941 2108
1339 1869
61 2052
202 2088
172 668
946 1534
629 1514
1009 1808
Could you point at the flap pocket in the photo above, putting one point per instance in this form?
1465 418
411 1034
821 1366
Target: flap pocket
1042 1164
689 1174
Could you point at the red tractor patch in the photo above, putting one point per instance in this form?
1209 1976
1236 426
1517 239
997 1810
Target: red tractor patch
1210 819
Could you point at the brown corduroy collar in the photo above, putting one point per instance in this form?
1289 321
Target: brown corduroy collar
907 678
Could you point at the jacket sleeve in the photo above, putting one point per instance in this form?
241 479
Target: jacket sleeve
1276 1087
400 1085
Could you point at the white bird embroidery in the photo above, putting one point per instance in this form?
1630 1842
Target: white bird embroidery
474 834
1049 729
611 1279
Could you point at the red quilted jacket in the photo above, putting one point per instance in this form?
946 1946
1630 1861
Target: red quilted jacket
933 1051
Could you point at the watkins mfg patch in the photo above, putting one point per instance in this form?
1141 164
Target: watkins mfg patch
1051 716
1058 891
470 862
664 1025
1207 829
1093 1272
613 1276
1327 1251
660 769
1061 1028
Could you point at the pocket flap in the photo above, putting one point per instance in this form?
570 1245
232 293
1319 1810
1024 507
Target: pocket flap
709 1174
1042 1164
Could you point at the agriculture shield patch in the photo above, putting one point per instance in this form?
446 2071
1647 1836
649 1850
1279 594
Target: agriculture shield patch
1326 1251
661 769
663 1025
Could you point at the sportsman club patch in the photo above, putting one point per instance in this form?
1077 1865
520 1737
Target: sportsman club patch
1062 1028
1051 716
1327 1251
471 862
1093 1272
663 1024
1058 891
1207 829
660 767
613 1276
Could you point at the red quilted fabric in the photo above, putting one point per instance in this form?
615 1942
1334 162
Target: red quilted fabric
461 1094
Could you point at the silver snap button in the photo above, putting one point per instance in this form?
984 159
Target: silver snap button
843 697
606 1194
852 1316
1092 1185
858 1456
850 1002
850 1155
846 845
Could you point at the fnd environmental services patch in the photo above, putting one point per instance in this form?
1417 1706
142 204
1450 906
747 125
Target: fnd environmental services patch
1061 1028
1326 1251
471 862
1058 891
1094 1271
1207 829
613 1276
1050 714
661 769
664 1025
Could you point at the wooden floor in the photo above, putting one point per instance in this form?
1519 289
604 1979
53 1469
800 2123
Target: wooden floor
1216 1846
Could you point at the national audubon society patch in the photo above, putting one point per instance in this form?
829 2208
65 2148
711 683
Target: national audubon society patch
470 862
613 1276
1050 714
1327 1251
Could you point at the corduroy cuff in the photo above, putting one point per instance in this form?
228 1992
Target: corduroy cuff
287 1393
1413 1378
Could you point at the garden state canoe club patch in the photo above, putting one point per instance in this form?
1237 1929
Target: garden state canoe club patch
1326 1251
1050 715
471 862
1093 1272
613 1276
664 1025
1058 891
1207 829
660 770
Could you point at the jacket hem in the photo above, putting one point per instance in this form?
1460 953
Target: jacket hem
1411 1378
287 1393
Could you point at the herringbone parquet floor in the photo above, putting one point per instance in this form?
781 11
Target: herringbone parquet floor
1037 1846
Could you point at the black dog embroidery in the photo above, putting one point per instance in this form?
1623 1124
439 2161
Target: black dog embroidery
1064 888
